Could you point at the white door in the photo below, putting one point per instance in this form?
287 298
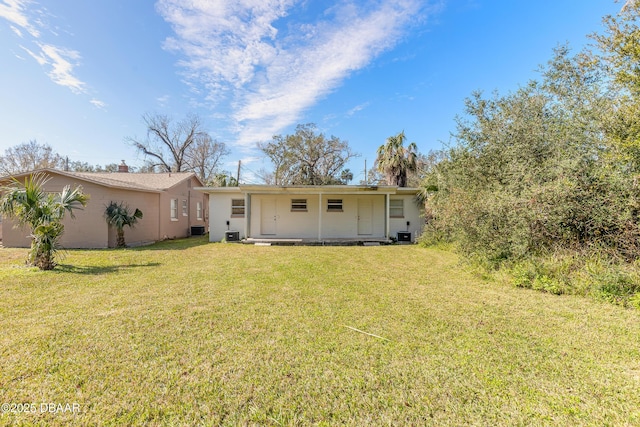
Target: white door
268 216
365 216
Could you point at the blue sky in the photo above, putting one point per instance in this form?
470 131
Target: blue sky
78 75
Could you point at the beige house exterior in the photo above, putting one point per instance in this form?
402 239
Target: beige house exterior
168 201
314 213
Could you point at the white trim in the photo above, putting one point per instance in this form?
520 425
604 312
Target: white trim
319 216
387 198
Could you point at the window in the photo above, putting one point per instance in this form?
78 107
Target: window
237 207
174 209
298 205
396 208
185 208
199 210
334 205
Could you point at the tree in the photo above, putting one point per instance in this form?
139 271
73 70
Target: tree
204 157
619 45
395 161
27 157
307 157
223 180
539 170
619 56
43 213
179 146
346 176
119 216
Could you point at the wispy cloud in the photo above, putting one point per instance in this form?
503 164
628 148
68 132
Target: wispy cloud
98 104
60 62
15 11
16 31
268 63
163 100
357 108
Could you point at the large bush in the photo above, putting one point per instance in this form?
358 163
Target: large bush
538 170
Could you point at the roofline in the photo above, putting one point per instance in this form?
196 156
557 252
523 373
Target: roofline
82 178
74 175
309 189
189 175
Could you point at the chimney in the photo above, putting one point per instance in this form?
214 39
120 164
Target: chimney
123 168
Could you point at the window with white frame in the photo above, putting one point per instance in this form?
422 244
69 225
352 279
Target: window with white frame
298 205
199 210
334 205
237 207
185 208
396 208
174 209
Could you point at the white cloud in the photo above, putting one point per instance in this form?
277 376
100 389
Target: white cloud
62 61
16 31
15 12
269 67
357 108
98 104
163 100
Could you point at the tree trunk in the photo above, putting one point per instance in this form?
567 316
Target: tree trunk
120 243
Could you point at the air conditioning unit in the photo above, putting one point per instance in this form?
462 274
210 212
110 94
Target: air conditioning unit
197 230
404 236
232 236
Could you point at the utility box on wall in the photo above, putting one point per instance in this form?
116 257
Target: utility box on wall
404 236
232 236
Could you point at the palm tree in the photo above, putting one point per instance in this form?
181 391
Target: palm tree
42 212
345 176
395 161
119 216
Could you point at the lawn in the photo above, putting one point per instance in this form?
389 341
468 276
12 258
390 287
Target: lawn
192 333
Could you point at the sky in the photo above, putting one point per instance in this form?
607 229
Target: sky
79 75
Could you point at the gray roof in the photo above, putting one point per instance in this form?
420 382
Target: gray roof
141 181
153 182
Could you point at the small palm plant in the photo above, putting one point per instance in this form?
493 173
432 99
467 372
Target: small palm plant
42 212
119 216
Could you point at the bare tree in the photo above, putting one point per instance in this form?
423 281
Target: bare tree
29 156
266 176
179 146
204 156
167 142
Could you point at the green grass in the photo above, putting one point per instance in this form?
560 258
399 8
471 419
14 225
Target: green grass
191 333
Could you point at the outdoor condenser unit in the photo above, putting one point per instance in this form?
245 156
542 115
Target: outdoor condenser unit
404 236
232 236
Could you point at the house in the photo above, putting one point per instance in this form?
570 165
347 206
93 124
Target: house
168 201
313 213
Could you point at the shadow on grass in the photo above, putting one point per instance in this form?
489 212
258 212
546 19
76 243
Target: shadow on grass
174 244
97 270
